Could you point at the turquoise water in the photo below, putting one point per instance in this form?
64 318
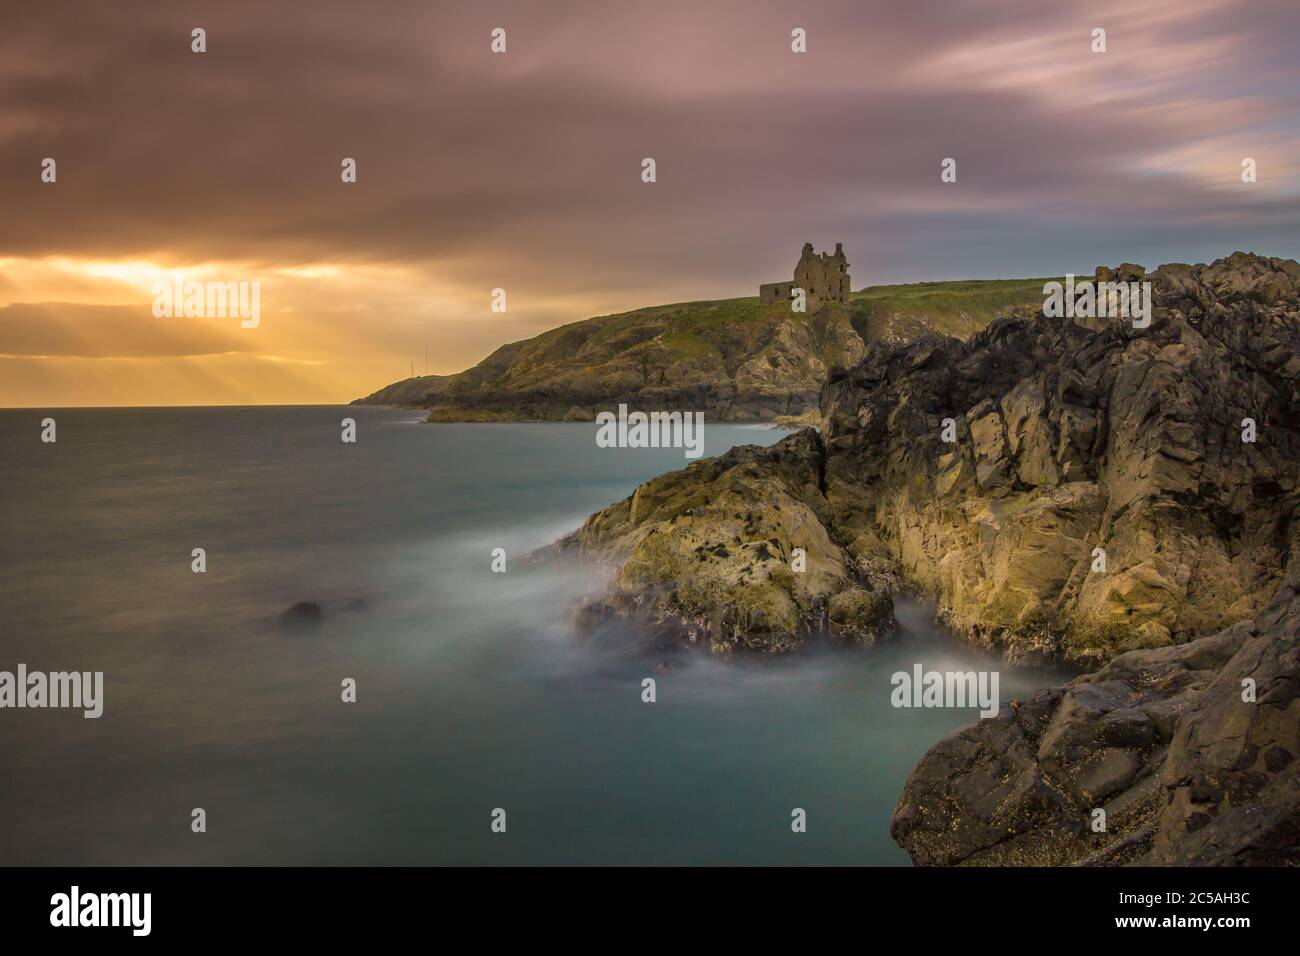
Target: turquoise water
472 693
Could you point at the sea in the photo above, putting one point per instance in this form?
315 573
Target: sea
483 730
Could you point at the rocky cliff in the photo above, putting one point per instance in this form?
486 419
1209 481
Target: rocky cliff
734 359
1118 497
1178 754
1071 488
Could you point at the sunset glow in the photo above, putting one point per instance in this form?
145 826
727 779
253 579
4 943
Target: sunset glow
467 182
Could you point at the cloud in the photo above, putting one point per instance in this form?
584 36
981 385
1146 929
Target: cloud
522 170
71 330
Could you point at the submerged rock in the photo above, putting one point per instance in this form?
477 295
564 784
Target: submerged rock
302 616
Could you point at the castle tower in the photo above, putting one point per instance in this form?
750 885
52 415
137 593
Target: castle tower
841 271
824 277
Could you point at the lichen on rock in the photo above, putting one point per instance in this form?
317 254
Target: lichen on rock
709 552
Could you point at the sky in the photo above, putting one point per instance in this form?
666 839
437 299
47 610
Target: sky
522 170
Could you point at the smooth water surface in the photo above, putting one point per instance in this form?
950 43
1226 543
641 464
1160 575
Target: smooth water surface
473 694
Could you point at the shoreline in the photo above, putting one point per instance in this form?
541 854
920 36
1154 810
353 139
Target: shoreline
792 424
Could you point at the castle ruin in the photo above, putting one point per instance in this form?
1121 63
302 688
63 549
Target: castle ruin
823 277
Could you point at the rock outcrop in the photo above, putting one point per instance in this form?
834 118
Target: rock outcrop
1115 496
1184 755
707 555
1107 487
1071 488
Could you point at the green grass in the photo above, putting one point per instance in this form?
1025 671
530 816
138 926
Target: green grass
729 331
953 308
957 308
689 345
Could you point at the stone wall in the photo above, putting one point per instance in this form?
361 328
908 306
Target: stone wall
823 276
775 291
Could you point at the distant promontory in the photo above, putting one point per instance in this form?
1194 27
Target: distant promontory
745 359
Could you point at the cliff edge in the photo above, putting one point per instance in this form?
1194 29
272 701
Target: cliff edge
1123 498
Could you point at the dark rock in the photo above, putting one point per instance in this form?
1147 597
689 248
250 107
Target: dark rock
1071 436
1223 792
590 616
303 616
